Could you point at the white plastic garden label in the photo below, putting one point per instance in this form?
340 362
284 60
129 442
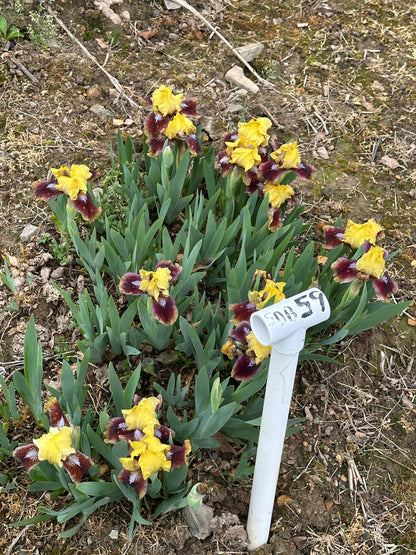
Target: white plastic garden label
283 326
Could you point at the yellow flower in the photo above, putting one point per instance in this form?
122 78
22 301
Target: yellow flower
278 194
156 283
287 155
179 125
372 262
148 455
55 446
243 155
72 182
143 416
228 349
356 234
256 350
272 290
165 102
255 131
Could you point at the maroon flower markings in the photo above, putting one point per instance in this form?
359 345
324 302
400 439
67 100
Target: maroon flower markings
156 285
73 461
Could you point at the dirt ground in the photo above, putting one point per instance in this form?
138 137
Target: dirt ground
341 78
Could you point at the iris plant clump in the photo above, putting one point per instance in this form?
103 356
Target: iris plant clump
198 243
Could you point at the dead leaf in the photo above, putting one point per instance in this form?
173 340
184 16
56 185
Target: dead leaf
101 43
390 162
411 321
226 445
322 152
282 499
149 34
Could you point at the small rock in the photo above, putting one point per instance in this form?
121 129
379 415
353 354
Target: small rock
173 36
171 5
118 122
28 232
50 294
19 282
102 112
45 272
235 108
236 76
58 273
199 521
94 92
125 15
113 534
250 51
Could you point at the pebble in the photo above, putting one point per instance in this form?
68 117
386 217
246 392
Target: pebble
236 76
250 51
58 273
102 112
28 232
45 272
199 521
19 282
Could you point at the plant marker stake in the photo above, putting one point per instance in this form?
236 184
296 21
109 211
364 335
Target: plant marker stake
283 326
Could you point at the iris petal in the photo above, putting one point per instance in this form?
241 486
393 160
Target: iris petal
84 205
245 368
77 465
345 270
384 286
130 284
165 310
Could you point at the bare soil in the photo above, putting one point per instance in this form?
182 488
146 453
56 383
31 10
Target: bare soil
343 82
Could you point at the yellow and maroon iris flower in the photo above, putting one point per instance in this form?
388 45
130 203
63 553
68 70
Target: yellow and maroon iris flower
55 446
241 343
285 158
353 235
170 121
155 284
371 265
71 182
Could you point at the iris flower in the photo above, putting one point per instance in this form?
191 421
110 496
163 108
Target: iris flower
170 120
156 285
138 421
285 158
371 265
71 182
149 456
150 443
242 343
245 148
56 446
353 235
